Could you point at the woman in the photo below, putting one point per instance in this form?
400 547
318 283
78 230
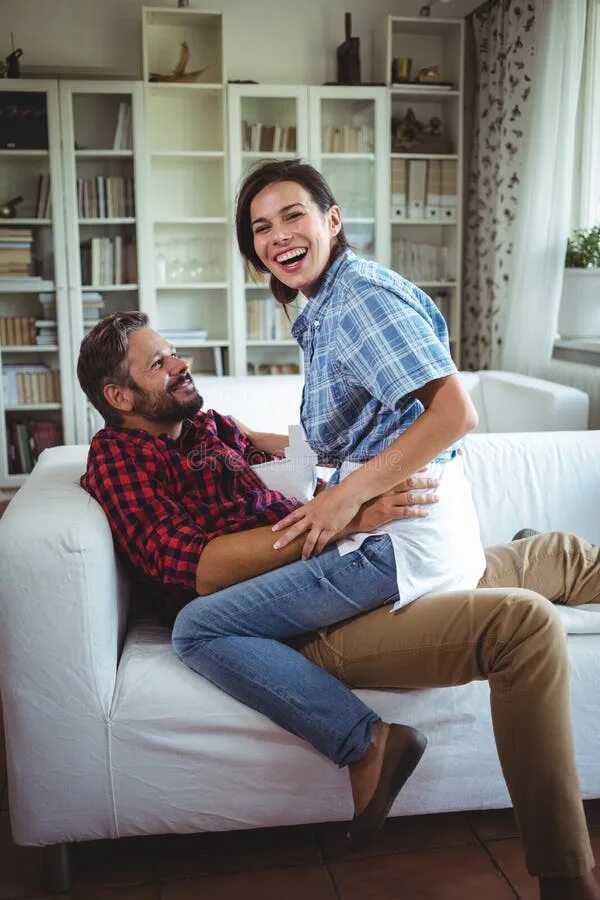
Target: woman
235 636
382 397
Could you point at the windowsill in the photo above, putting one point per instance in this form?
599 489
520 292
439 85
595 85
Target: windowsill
578 350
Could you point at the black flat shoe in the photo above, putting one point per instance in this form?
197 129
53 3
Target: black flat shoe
404 748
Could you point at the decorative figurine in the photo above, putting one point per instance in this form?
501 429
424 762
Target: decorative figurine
179 74
13 69
411 136
8 210
348 56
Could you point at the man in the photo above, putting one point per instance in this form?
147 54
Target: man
183 503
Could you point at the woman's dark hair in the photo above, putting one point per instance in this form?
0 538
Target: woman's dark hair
103 359
260 177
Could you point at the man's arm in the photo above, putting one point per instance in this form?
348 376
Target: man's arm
232 558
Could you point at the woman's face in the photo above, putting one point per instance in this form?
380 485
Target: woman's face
292 237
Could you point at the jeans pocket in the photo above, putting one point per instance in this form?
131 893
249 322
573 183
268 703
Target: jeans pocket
378 552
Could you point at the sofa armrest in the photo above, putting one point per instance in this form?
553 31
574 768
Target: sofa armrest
63 606
515 403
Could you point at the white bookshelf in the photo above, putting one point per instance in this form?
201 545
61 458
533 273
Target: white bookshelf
20 172
273 116
103 151
188 184
428 42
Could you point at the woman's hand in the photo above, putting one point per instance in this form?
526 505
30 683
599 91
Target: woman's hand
406 501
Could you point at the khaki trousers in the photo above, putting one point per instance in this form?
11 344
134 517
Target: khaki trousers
508 632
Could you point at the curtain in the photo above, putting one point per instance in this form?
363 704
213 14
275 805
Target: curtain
586 192
501 34
544 210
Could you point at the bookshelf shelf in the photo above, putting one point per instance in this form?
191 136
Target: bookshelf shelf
29 348
342 157
103 154
268 154
425 93
168 88
125 220
265 343
30 407
357 220
194 343
24 221
109 287
188 154
193 220
423 156
24 154
196 286
25 286
433 223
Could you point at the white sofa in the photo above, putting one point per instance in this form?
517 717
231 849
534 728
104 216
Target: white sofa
505 401
109 734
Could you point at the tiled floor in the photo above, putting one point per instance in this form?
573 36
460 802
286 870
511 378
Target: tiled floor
472 856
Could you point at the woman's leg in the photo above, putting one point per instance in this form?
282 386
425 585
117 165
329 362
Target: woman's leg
515 639
234 638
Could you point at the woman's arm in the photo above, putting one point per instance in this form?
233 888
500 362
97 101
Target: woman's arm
449 415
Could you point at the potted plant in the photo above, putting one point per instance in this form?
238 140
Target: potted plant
579 314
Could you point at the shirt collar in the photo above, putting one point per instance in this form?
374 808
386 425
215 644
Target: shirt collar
313 309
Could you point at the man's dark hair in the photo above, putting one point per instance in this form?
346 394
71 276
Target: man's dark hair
103 359
260 177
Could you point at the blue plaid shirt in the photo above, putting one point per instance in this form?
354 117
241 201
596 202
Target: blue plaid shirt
370 339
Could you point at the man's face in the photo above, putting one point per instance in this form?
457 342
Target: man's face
162 386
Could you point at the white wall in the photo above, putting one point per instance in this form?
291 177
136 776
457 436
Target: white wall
273 41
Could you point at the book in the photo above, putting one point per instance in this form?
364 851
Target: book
417 175
398 210
449 190
434 189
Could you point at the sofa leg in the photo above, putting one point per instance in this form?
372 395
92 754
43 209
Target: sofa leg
57 868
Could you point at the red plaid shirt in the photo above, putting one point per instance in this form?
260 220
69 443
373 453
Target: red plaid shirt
165 499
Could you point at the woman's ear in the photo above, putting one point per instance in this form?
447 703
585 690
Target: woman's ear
335 219
119 397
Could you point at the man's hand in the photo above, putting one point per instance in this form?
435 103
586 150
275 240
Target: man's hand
334 513
407 500
267 441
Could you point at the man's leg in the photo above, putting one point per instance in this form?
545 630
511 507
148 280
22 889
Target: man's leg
560 566
515 639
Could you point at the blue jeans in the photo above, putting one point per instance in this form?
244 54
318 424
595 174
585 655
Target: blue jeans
233 638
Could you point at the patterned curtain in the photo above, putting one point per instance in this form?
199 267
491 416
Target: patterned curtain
501 35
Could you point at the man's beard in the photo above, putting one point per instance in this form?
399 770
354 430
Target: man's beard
165 407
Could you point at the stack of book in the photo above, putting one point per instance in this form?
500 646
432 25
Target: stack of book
17 331
347 139
93 308
424 189
27 440
46 334
108 261
105 197
265 368
420 262
179 336
43 206
123 135
268 138
15 252
28 384
266 320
